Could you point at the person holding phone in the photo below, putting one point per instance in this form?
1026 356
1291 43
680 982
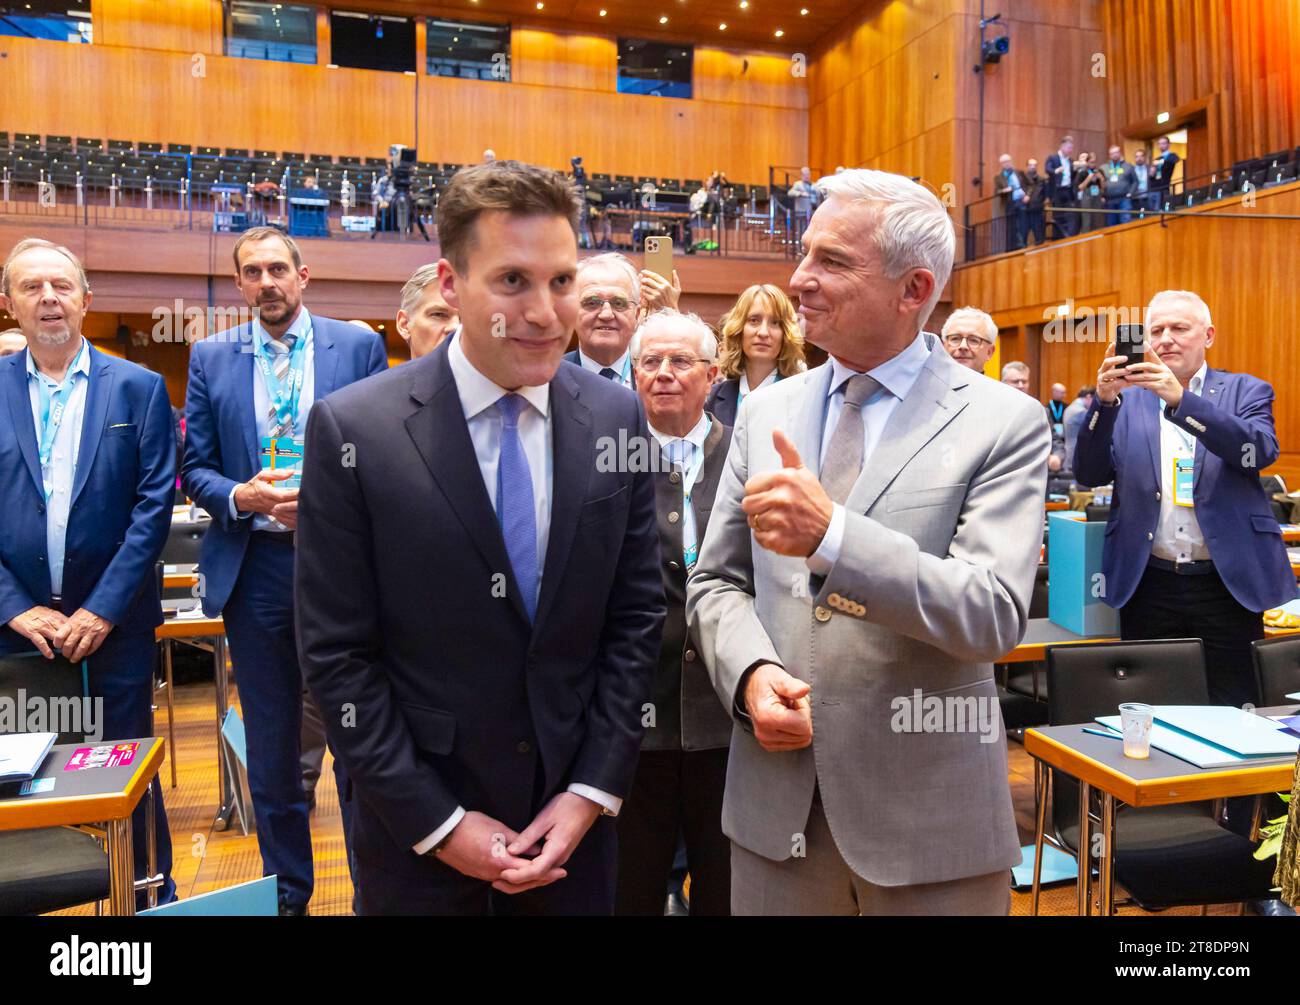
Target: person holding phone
1192 547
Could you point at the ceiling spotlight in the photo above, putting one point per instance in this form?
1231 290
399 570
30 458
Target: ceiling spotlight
540 5
803 11
663 20
723 26
744 4
602 12
779 33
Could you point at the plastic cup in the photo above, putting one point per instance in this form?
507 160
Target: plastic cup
1135 722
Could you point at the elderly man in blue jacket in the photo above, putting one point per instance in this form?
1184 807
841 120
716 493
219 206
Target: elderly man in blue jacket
1192 548
87 476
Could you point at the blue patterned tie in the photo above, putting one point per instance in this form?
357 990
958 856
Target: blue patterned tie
515 510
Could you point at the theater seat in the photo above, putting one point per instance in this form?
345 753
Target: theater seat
50 869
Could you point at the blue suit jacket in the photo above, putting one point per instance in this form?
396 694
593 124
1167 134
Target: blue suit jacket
221 431
121 499
408 609
1232 420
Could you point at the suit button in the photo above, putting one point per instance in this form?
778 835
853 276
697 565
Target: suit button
821 614
690 655
523 746
674 478
674 516
1150 536
835 600
1157 497
674 566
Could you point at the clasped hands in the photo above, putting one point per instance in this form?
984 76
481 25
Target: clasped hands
487 849
78 636
259 495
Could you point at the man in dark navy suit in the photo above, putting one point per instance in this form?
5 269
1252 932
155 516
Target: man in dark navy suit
247 386
87 477
478 582
1192 548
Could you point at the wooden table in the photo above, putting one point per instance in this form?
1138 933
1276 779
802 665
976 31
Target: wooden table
96 796
208 634
1099 763
1042 633
180 577
1291 536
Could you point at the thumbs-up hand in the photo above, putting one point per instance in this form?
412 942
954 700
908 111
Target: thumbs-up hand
788 509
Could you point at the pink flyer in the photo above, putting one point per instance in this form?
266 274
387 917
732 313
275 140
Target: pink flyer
107 756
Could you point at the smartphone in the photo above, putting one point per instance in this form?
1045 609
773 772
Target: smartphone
1130 341
659 256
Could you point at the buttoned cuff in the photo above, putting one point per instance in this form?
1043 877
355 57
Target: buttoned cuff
449 825
234 511
611 804
827 554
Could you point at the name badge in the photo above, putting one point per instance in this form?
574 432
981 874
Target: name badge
1058 428
1184 480
1094 190
283 454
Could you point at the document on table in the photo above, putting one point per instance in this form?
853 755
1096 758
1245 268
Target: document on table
21 754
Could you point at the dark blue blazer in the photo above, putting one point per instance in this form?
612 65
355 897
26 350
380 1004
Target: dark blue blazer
121 499
221 438
409 615
723 401
1232 421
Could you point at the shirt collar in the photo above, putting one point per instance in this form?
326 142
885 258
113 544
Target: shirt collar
477 393
896 375
301 327
81 363
1197 384
619 366
695 437
771 378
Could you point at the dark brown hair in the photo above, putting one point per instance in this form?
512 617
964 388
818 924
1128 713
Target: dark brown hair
509 186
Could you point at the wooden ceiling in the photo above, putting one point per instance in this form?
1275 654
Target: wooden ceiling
695 21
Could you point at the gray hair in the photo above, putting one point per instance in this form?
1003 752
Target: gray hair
667 317
414 289
975 318
1199 306
1015 366
913 229
612 258
27 244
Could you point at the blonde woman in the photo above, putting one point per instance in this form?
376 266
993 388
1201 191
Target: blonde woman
760 344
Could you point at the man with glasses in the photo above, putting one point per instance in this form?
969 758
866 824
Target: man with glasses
970 336
610 292
682 772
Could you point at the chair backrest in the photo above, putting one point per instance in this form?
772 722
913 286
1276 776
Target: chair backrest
184 541
41 691
1095 513
1038 600
1088 680
1277 669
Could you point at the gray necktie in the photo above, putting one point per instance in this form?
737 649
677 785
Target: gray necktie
844 458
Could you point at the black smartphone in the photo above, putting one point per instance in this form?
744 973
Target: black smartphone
1130 341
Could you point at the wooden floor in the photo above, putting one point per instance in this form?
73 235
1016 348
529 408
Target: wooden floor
205 860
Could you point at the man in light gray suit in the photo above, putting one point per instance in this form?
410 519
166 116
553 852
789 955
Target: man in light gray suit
871 551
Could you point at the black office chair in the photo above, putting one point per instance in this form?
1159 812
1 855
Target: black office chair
1165 856
1277 669
50 868
184 541
1094 513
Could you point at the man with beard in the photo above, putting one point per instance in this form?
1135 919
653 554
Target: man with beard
250 389
88 470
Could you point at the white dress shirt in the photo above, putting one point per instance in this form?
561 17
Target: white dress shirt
692 467
58 476
767 381
1178 535
478 398
897 377
622 367
301 327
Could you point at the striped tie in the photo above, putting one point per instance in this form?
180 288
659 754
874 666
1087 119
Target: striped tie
281 349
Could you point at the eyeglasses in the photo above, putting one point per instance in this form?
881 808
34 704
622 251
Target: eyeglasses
594 303
974 341
681 364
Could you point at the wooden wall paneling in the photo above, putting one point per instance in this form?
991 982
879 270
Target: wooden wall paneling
188 26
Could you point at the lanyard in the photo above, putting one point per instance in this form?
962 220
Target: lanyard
285 396
1057 409
54 405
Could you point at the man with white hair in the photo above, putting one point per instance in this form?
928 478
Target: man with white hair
1195 550
611 294
87 480
870 553
682 771
970 336
12 341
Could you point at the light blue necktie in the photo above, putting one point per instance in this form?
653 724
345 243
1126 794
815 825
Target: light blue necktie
681 454
515 510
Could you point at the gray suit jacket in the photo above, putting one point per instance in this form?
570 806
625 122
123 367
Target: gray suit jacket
932 584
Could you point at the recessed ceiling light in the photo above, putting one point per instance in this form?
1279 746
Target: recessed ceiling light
540 5
803 11
723 26
602 12
663 20
779 33
744 4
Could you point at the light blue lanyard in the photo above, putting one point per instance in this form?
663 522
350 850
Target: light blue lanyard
286 395
54 405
